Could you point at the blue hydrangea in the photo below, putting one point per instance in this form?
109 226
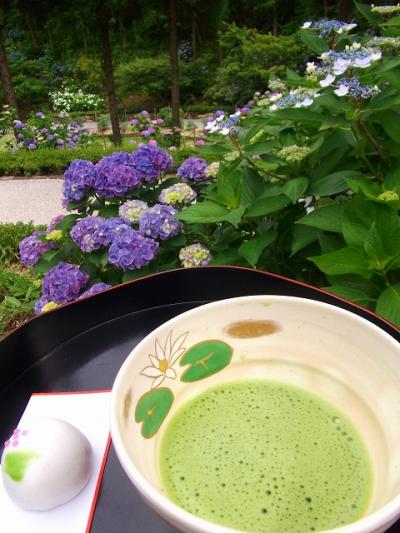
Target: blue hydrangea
132 209
193 169
130 250
79 177
94 289
112 227
159 222
31 249
151 161
355 56
86 233
353 88
63 283
326 27
116 175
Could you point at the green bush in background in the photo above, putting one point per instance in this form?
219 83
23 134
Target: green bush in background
248 59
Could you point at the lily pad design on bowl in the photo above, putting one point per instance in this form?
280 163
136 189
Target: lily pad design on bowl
151 410
205 359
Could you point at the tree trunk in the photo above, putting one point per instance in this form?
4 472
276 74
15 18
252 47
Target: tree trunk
29 24
104 17
175 96
84 41
345 8
5 75
194 37
275 20
122 31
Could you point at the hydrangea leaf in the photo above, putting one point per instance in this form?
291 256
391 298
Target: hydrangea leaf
205 359
151 410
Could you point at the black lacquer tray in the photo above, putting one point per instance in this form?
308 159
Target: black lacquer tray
81 346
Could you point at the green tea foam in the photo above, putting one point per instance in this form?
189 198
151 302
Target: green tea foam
263 456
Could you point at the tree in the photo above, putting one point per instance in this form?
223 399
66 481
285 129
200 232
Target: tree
175 93
104 21
5 74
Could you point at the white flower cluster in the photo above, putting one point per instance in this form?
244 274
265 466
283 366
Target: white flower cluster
68 100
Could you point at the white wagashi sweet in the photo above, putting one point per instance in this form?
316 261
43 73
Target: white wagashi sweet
45 463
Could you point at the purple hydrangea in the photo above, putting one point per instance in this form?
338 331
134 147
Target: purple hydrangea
79 177
39 114
31 249
63 283
94 289
130 250
53 223
193 169
159 222
112 227
43 300
86 234
19 125
116 175
150 161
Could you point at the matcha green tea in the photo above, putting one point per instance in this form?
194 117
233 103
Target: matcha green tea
262 456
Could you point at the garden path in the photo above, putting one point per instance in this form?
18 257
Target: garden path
33 199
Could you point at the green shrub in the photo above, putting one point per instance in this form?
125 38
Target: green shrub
249 58
10 237
49 161
151 76
18 292
146 76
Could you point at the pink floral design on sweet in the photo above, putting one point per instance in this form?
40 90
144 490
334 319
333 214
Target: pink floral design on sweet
14 439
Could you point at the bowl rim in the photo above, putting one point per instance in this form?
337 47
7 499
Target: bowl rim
382 517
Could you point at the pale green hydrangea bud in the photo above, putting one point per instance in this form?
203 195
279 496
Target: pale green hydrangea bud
49 307
388 196
194 255
55 235
232 156
294 153
212 169
385 10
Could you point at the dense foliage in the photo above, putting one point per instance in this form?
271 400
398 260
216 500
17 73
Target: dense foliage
249 58
42 55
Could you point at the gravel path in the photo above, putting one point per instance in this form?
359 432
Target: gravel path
33 199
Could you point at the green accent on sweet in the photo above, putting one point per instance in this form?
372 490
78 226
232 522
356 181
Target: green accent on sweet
265 456
16 464
206 358
152 408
